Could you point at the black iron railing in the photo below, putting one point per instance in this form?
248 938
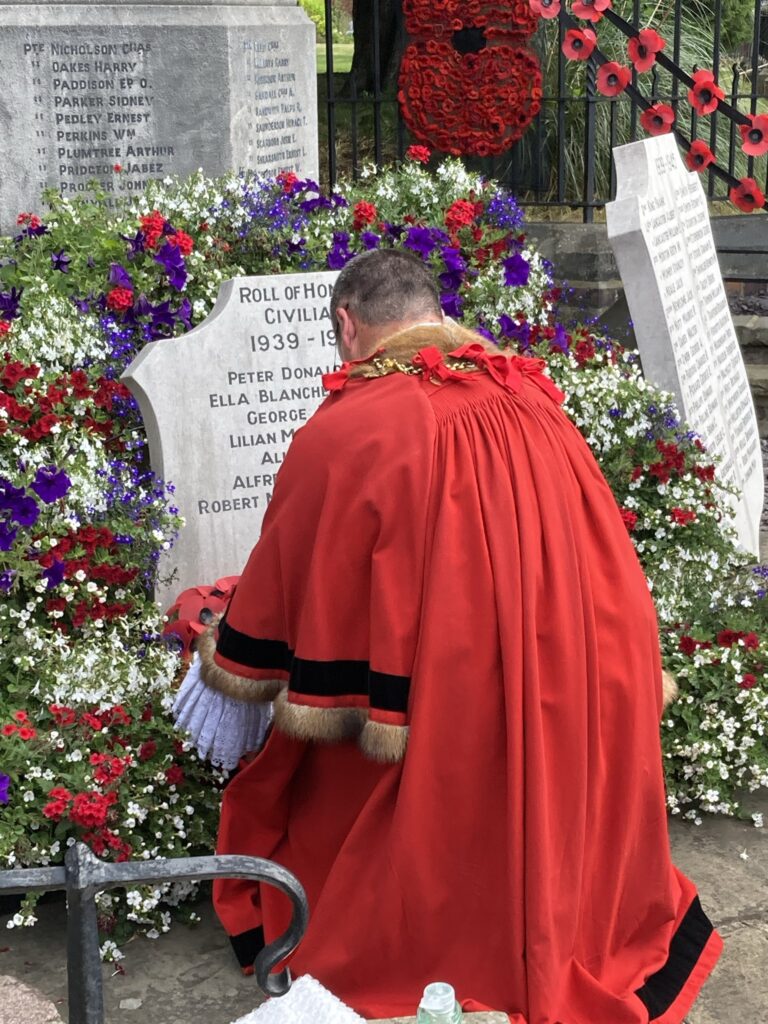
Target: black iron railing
83 875
564 159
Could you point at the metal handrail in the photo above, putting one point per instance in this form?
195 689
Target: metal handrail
83 875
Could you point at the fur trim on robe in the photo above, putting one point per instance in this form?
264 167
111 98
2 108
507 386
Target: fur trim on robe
254 691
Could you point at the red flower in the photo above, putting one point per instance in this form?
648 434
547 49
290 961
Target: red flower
15 372
699 156
629 519
90 809
5 328
55 809
751 641
728 637
459 214
9 729
590 10
687 645
748 681
545 8
146 714
60 793
755 135
637 472
613 78
579 43
20 716
174 775
147 750
120 299
660 470
658 119
92 720
642 49
747 195
706 473
706 93
117 168
27 733
183 242
583 351
152 225
286 178
363 213
420 154
682 517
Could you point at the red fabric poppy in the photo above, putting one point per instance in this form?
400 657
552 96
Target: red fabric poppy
747 195
545 8
755 135
643 47
591 10
468 82
420 154
658 119
706 93
613 78
699 157
579 43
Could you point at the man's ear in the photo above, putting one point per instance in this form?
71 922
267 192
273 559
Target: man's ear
347 334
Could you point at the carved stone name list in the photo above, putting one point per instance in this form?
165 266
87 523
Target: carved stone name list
221 405
128 94
660 229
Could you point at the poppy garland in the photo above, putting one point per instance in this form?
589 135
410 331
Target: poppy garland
469 84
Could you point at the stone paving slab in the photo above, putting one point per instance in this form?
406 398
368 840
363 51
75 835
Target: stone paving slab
191 974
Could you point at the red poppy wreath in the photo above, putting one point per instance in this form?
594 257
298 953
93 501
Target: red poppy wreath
469 84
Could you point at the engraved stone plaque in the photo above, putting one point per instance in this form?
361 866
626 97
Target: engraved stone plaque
126 93
220 406
660 231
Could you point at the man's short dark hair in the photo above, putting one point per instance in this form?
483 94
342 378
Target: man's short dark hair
386 285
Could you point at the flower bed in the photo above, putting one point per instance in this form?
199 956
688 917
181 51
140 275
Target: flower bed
86 745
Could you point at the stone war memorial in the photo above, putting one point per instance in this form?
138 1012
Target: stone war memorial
130 92
660 230
220 406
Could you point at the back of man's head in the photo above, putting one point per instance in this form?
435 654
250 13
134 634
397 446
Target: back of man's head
386 286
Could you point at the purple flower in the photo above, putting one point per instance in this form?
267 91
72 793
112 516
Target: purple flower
184 313
172 260
520 332
163 317
452 305
421 241
370 240
84 305
54 574
119 277
9 494
7 536
135 245
25 511
60 261
5 781
560 339
50 483
339 257
9 303
503 212
517 270
6 580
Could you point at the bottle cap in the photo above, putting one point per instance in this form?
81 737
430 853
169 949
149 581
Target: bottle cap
438 997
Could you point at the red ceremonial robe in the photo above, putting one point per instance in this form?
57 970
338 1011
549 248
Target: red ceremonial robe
443 551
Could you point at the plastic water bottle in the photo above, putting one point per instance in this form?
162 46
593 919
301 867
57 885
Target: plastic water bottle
438 1005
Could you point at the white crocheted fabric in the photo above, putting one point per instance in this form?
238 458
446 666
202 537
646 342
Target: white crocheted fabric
221 728
305 1002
